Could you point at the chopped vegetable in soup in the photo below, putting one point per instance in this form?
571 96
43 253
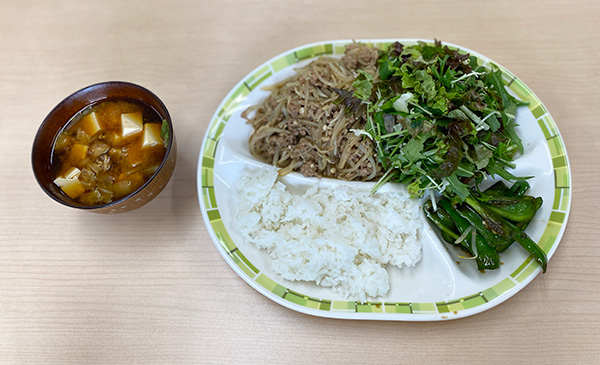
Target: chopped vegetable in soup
108 151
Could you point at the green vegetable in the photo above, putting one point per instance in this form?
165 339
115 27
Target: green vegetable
500 189
165 132
492 239
516 209
486 256
443 221
527 243
491 219
498 216
463 239
518 189
442 122
401 104
456 116
363 85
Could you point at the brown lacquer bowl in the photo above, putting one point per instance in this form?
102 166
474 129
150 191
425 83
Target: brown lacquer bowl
59 117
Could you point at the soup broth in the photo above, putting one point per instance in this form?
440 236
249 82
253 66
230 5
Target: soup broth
108 151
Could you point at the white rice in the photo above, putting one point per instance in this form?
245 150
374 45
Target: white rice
340 237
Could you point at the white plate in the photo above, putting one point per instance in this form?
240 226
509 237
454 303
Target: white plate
441 286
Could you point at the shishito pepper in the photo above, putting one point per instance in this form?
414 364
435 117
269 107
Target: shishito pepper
513 208
491 219
530 246
518 189
498 189
492 239
487 257
497 217
443 221
446 224
510 230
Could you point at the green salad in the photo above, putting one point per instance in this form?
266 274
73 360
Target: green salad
442 122
438 119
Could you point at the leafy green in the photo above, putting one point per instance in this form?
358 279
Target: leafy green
481 156
386 69
412 150
363 85
165 132
347 98
438 119
457 187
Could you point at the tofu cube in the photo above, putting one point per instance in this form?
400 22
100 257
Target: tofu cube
114 138
127 184
90 124
72 173
131 123
122 188
152 135
78 153
70 184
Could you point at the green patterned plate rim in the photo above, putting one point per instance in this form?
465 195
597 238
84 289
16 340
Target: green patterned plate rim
383 310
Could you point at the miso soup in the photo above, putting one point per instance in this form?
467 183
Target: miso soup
108 151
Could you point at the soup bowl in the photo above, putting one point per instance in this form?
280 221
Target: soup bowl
63 113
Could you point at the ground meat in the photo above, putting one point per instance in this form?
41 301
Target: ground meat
360 56
309 169
293 127
304 151
313 79
296 128
282 140
293 109
364 170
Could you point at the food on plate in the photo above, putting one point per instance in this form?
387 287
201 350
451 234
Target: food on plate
108 151
301 126
439 120
472 225
424 115
340 237
442 122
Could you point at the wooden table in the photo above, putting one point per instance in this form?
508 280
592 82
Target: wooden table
149 286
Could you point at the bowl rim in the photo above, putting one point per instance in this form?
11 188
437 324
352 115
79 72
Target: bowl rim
75 95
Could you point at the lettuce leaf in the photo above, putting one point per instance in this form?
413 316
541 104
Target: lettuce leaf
363 85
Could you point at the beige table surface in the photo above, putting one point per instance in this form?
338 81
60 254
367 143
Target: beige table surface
150 287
